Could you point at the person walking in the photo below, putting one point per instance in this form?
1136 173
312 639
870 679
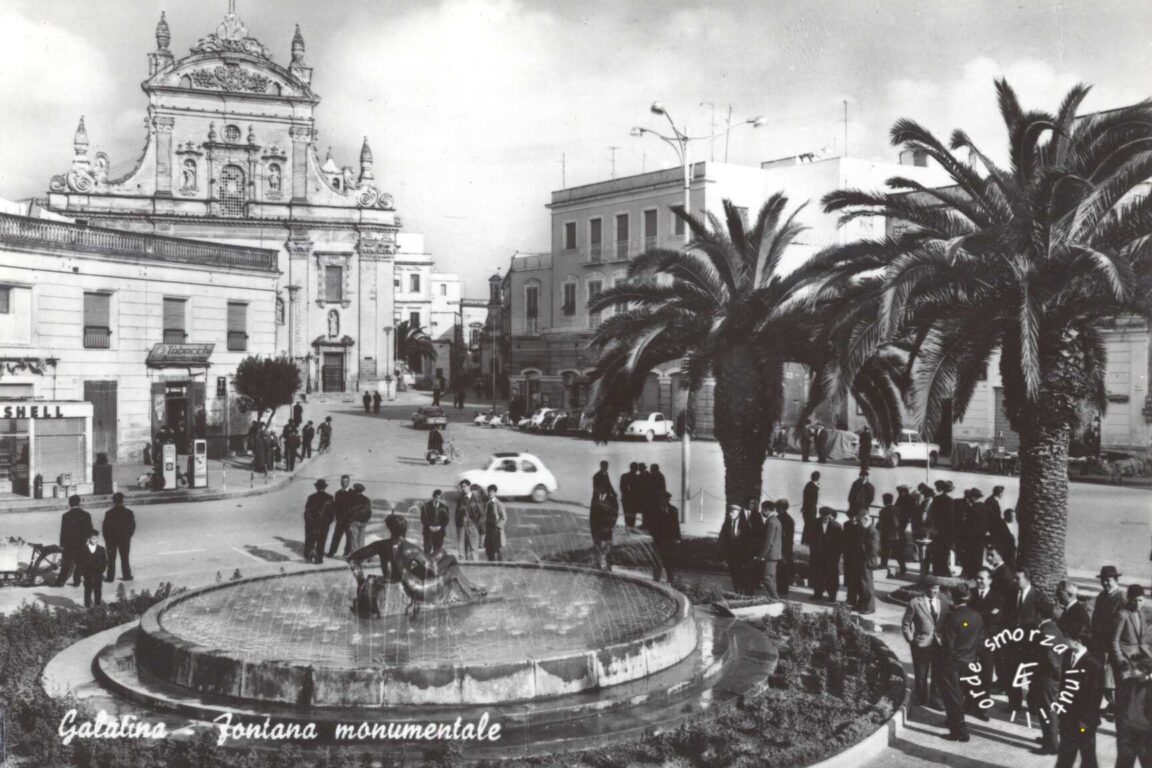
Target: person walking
603 514
808 508
869 539
308 435
314 510
657 488
1081 717
826 547
361 514
119 527
628 495
367 400
291 448
298 413
75 527
495 518
771 549
665 532
91 567
861 494
961 639
734 545
891 530
784 569
342 516
922 627
325 431
376 402
1105 616
434 522
865 454
261 456
1044 685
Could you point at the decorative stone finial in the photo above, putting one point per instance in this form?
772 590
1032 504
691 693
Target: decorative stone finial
298 47
80 140
211 131
365 162
163 35
251 135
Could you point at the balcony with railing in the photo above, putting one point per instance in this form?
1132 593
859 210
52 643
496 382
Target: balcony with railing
649 242
23 231
595 253
175 336
237 341
621 250
97 337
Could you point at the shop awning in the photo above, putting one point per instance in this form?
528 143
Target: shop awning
179 356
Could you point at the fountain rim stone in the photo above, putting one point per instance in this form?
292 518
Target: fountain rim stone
173 659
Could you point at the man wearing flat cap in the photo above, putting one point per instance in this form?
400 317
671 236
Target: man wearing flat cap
317 508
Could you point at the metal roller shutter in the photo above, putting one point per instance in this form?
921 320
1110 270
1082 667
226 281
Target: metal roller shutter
60 448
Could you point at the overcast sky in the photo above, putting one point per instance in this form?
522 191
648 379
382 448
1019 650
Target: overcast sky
470 104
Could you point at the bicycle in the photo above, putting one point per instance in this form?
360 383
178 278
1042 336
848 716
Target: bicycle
41 570
449 454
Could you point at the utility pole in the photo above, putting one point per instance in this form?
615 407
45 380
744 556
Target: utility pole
711 130
845 127
727 132
563 171
613 149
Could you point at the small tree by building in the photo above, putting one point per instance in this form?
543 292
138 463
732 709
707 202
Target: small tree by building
266 383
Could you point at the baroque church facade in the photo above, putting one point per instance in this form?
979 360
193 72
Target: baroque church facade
231 157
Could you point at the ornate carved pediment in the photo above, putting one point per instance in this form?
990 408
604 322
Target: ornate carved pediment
324 341
230 77
232 37
370 197
374 245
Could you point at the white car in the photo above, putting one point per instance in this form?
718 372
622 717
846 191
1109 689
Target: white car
651 428
514 474
909 447
536 420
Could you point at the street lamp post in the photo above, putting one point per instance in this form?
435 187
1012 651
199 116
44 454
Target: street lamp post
680 141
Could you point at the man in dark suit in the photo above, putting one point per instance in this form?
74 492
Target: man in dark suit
787 533
865 447
309 434
941 524
1044 686
601 481
809 507
342 515
628 495
861 494
298 413
1105 614
119 526
665 530
657 489
434 521
851 551
1003 577
735 547
93 563
990 605
973 534
771 549
922 627
820 437
367 399
1081 718
75 525
316 506
1070 609
805 441
824 558
961 639
892 528
1129 644
1025 610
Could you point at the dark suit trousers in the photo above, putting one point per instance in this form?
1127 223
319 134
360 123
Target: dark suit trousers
93 590
306 451
892 549
341 532
121 547
923 672
1073 743
629 513
783 576
433 540
825 577
853 582
948 674
1040 698
865 592
69 564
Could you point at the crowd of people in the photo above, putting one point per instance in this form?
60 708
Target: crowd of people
647 506
294 443
83 558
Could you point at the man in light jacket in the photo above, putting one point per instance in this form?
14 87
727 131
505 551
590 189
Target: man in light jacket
923 627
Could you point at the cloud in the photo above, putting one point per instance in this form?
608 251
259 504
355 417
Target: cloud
51 97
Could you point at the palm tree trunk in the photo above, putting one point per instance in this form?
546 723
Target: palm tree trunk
742 409
1043 503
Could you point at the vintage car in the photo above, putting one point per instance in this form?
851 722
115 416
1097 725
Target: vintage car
429 416
514 474
652 427
536 421
909 447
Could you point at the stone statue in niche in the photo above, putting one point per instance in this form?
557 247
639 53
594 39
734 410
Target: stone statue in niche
188 175
274 178
333 324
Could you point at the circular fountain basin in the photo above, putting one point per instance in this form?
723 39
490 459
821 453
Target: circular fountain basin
543 631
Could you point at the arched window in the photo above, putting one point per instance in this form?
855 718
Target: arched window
188 175
232 193
231 133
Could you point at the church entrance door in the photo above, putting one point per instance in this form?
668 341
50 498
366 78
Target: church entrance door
332 372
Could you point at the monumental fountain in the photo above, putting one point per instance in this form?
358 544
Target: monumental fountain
564 657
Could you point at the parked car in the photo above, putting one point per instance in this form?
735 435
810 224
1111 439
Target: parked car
537 419
909 447
515 474
499 420
429 416
652 427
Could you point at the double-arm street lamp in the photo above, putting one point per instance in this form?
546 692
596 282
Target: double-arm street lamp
681 141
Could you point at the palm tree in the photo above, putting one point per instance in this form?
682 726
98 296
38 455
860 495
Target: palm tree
1033 261
723 308
413 344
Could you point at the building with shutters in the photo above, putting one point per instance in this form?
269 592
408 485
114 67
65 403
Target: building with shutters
148 330
230 156
598 228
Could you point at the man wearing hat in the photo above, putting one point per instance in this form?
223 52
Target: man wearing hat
941 522
317 509
75 525
1105 615
826 547
118 527
1081 717
861 494
91 567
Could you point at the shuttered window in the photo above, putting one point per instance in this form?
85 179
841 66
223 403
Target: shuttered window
237 327
97 316
333 283
174 321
